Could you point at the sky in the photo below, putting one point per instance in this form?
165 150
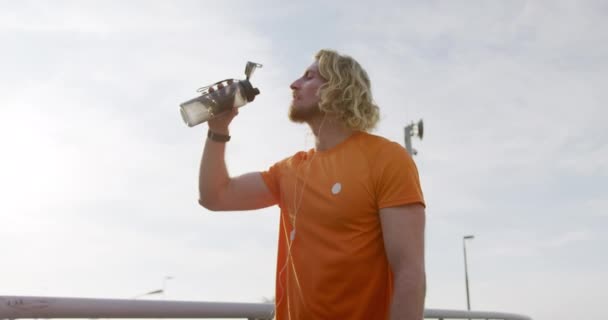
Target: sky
98 174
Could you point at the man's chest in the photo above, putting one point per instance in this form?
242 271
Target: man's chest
330 191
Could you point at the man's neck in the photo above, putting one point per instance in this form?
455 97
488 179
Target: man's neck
329 132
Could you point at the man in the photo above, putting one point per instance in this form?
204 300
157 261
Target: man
351 235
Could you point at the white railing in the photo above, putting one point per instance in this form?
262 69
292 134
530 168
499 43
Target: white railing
442 314
20 307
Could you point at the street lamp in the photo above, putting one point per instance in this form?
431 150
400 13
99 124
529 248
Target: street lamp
413 129
466 273
159 291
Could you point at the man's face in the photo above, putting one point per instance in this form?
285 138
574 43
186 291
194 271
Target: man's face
305 103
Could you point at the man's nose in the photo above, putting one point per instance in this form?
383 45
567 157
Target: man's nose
294 85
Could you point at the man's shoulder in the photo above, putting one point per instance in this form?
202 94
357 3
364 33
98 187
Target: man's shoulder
295 158
378 144
383 154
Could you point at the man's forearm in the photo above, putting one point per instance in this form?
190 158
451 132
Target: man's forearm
408 296
213 175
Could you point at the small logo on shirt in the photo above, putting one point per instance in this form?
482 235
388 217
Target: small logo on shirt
337 187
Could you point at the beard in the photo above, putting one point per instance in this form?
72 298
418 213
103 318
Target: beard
304 114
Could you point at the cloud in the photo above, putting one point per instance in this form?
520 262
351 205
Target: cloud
597 206
524 244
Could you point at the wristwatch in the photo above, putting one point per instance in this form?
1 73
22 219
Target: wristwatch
217 137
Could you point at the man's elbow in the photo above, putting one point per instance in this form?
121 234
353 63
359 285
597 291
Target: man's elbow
414 274
209 203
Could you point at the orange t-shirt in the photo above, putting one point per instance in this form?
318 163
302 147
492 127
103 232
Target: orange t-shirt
331 259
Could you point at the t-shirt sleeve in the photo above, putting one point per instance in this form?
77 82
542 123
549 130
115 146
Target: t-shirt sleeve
396 178
271 179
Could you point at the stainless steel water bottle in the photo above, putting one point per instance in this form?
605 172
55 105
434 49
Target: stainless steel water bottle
220 97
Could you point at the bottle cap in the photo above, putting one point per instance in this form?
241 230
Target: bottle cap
249 90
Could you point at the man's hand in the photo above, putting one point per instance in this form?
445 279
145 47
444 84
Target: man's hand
219 124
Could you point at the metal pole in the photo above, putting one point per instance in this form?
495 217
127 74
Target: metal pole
466 271
408 138
148 293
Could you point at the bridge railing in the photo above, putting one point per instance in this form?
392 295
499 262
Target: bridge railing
26 307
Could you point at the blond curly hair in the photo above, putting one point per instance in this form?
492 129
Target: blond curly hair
347 92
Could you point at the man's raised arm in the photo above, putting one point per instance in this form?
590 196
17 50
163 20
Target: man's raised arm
217 190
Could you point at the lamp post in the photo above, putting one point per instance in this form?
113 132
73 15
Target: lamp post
466 273
159 291
149 293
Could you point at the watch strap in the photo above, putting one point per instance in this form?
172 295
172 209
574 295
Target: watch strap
217 137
